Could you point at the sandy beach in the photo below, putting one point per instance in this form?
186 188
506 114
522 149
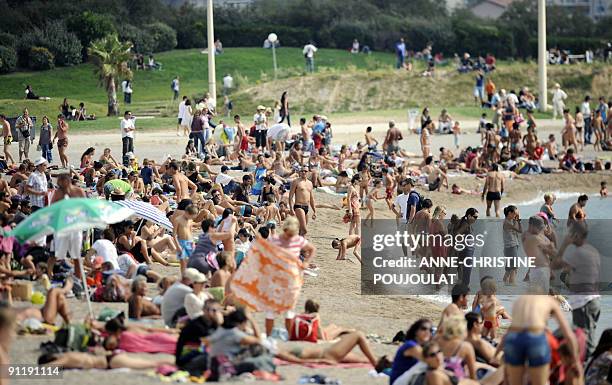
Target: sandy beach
337 287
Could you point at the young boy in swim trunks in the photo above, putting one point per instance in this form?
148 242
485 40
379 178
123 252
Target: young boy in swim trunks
182 227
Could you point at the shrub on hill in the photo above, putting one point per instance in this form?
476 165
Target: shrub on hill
64 45
142 42
41 59
164 37
8 59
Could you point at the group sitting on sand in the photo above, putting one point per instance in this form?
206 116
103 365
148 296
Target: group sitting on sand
255 183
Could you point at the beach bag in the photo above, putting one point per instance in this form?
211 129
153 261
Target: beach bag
419 204
76 338
305 328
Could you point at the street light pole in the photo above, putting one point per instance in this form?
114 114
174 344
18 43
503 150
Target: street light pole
542 56
212 73
272 38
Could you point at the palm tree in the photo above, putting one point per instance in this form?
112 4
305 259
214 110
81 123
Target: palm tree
110 57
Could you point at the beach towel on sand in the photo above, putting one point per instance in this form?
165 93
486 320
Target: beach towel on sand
269 278
148 343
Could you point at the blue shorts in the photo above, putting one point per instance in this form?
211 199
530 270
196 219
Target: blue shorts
186 249
521 347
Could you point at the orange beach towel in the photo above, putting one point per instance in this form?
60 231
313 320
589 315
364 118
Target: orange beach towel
269 278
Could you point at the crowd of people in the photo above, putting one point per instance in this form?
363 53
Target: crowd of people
247 181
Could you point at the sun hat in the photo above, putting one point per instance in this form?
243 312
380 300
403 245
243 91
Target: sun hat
40 161
191 274
260 107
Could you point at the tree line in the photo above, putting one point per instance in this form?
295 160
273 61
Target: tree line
41 34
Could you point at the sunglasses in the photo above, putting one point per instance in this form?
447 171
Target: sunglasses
433 354
428 328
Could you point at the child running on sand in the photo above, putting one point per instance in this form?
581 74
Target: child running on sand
182 226
342 245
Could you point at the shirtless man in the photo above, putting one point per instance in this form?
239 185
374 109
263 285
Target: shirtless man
493 188
530 141
392 139
491 144
526 340
6 133
65 188
436 178
568 134
459 297
181 183
300 198
370 140
576 212
537 246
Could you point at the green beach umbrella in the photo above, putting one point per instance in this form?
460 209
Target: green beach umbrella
70 215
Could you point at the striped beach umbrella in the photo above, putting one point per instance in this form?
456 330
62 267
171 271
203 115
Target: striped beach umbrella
147 211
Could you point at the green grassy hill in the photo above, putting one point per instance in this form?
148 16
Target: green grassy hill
343 83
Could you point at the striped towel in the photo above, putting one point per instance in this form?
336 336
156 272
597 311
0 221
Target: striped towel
269 278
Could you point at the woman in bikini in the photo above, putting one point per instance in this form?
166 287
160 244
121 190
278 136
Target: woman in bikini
426 139
61 136
156 238
364 173
373 196
114 360
354 206
339 352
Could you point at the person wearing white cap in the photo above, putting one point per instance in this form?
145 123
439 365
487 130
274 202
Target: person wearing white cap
194 301
261 127
558 100
36 187
174 298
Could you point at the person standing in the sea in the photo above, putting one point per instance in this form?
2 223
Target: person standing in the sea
576 212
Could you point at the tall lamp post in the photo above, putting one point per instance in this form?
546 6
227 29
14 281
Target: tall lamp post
210 29
272 38
542 56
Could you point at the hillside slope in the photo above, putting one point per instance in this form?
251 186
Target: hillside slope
384 89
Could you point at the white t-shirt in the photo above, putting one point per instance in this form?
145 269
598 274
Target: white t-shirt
107 251
401 201
585 108
125 124
223 179
194 304
181 110
260 121
125 261
309 50
228 82
279 131
173 300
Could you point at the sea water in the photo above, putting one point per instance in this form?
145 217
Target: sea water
597 208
